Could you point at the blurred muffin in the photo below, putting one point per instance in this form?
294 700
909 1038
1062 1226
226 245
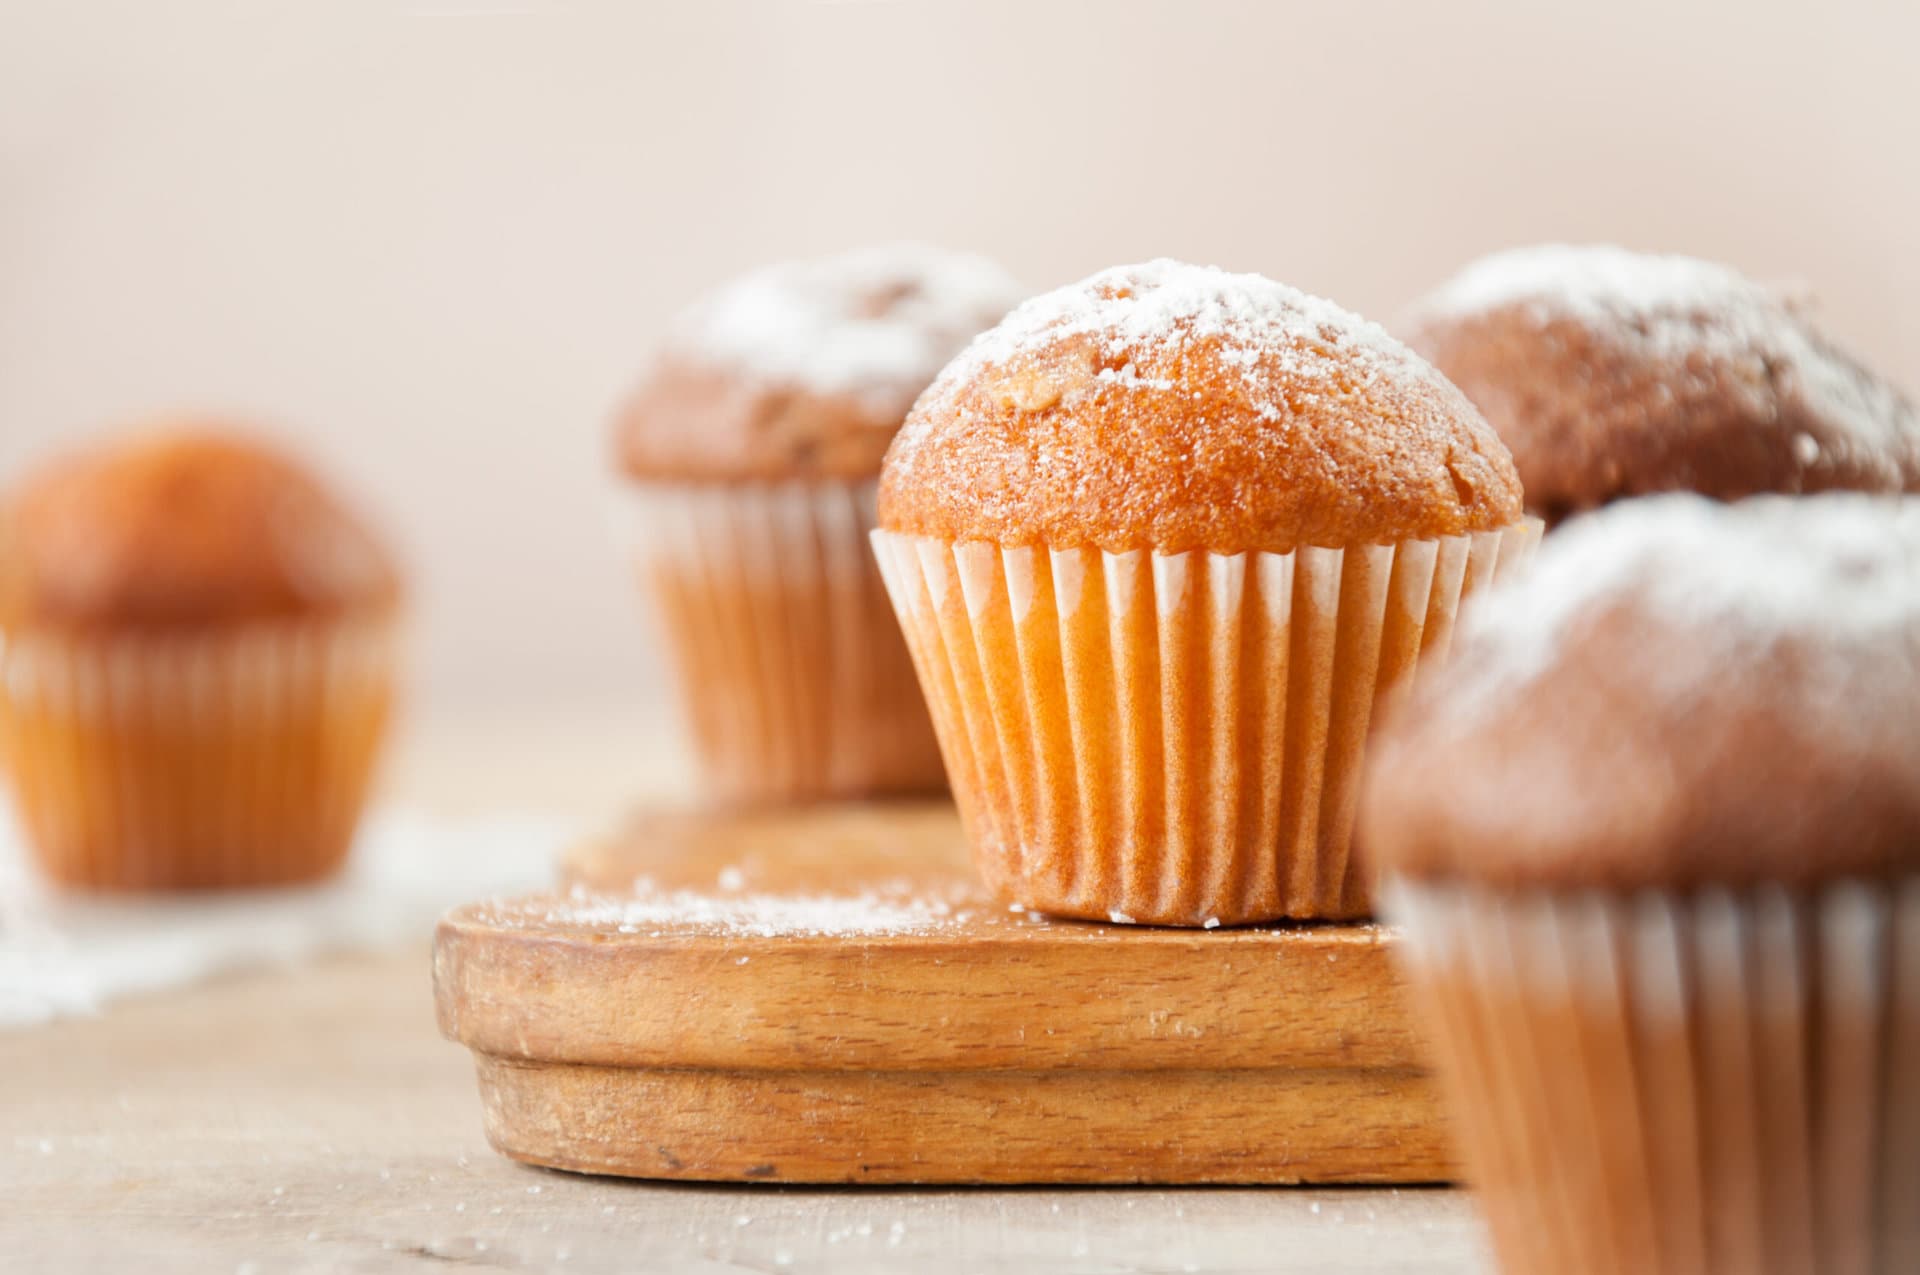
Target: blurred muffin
1655 838
750 453
196 664
1614 374
1159 543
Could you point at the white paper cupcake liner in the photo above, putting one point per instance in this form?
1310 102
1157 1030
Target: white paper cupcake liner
1173 738
1725 1082
157 762
792 674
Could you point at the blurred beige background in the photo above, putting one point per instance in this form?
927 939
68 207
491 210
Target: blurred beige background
432 242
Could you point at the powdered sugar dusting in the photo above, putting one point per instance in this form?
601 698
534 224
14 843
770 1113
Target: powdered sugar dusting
1600 282
1840 574
649 909
1278 338
1676 309
877 322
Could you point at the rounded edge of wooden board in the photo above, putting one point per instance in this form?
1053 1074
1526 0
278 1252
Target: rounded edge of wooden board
1236 1127
1026 998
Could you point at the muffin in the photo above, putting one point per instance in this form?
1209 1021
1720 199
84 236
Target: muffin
1160 542
749 456
1614 374
197 658
1654 836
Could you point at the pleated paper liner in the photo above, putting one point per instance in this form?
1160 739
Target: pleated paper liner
792 674
1173 739
1726 1082
186 762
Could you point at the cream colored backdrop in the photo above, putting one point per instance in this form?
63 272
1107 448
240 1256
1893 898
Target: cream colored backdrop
433 241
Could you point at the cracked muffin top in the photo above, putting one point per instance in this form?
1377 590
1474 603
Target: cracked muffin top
1175 407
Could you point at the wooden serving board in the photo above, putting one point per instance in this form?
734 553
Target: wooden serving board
828 996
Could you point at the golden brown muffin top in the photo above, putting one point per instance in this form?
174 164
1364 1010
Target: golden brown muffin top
1174 407
806 369
1678 694
177 528
1613 373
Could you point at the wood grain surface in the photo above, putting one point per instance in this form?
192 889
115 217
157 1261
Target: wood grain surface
312 1120
983 1046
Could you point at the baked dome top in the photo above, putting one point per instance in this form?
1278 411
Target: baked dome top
806 368
1178 407
1613 373
181 526
1677 693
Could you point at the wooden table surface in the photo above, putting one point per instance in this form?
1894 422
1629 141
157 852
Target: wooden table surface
313 1120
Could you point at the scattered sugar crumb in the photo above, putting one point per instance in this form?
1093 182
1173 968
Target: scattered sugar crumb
899 908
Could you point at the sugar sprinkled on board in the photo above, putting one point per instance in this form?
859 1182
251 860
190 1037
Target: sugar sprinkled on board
899 908
876 322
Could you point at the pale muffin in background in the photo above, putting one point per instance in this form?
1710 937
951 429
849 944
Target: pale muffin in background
748 457
197 663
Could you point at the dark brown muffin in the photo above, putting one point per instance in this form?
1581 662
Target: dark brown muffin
1653 840
1614 374
1678 694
